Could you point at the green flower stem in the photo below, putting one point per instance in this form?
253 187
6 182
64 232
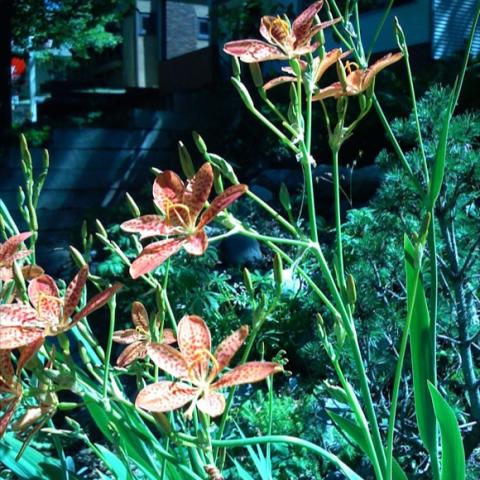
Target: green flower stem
379 29
242 442
112 309
338 220
251 340
274 129
415 111
359 416
307 171
286 224
282 241
396 146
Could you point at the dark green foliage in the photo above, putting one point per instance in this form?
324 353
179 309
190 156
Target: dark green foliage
83 27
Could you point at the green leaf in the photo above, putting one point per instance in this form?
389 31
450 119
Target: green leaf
32 464
438 169
421 350
113 463
355 433
453 453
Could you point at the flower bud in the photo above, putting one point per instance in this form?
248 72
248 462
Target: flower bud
199 143
185 161
132 205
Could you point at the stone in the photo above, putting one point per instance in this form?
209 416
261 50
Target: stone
239 250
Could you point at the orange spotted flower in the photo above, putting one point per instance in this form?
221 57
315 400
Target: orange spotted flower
48 314
10 382
180 206
195 379
9 253
283 41
358 80
138 338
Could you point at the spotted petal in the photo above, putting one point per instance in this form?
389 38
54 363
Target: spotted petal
168 336
195 342
28 352
212 404
6 369
229 347
198 190
168 189
168 359
9 247
302 25
378 66
74 291
279 81
17 314
197 244
15 337
334 90
98 301
148 226
127 336
154 255
221 202
250 372
139 316
252 51
5 419
165 396
43 286
134 351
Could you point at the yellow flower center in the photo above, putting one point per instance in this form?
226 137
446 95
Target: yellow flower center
351 66
279 30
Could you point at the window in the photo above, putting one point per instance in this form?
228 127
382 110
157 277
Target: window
203 28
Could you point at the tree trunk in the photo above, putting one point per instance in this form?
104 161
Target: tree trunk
466 317
5 61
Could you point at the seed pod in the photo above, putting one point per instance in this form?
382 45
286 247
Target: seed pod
236 69
247 280
19 280
100 228
244 94
339 333
351 290
278 271
199 143
256 73
185 161
132 205
77 257
342 76
336 392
